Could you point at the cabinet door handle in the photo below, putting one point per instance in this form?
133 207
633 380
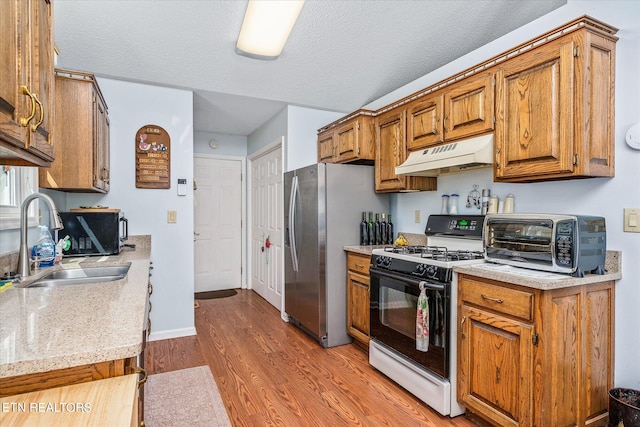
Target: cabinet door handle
498 158
24 121
139 370
446 128
35 127
462 321
498 300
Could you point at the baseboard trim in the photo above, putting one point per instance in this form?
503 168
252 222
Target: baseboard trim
172 333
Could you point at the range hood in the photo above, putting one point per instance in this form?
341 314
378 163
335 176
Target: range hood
460 156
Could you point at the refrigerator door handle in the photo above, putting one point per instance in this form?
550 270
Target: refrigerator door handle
292 222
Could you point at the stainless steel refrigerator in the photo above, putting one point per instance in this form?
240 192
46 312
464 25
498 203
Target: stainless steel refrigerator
323 205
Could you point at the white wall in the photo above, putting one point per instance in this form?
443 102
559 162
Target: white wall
302 127
228 145
273 129
598 196
299 127
131 106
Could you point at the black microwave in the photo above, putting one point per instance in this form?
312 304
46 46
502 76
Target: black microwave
93 233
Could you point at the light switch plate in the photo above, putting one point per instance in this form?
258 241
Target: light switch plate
417 215
172 217
632 220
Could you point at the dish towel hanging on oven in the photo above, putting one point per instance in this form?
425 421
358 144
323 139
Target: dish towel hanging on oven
422 321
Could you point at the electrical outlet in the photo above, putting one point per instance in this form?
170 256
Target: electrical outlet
172 217
632 220
417 215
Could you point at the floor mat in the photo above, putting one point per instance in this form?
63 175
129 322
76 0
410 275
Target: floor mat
187 397
216 294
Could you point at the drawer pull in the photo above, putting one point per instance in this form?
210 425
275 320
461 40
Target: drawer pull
498 300
360 265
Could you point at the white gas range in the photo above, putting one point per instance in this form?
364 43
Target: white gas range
400 277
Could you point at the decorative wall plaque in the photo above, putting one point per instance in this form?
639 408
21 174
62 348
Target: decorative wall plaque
153 157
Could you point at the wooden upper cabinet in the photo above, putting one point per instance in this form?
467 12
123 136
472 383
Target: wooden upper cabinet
464 109
326 147
26 87
82 134
555 109
424 122
468 107
391 151
348 141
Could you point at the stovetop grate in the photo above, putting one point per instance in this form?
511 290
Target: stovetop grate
439 253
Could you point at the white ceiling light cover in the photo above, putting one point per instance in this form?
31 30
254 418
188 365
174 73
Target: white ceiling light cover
266 27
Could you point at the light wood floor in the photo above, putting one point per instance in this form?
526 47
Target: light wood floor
271 373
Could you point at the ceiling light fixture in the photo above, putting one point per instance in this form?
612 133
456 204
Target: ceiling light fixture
266 27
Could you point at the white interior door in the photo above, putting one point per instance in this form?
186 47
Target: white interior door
217 224
266 222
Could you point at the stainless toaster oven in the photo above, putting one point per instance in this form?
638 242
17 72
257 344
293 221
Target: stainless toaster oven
571 244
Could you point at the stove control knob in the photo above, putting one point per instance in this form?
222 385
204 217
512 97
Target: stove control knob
431 270
420 269
383 261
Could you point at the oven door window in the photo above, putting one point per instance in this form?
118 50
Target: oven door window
394 305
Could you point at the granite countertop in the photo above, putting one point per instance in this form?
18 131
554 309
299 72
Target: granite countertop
363 250
521 276
541 279
44 329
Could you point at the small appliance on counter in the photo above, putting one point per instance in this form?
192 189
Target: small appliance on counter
94 232
570 244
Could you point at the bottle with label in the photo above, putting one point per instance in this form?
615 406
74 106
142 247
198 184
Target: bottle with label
384 230
44 249
390 238
371 232
364 234
377 230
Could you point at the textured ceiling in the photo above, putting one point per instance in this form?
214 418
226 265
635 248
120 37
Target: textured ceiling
340 56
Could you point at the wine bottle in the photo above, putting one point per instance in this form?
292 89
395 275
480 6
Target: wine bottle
371 230
390 231
378 230
364 233
384 230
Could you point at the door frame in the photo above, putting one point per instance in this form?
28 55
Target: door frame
243 209
278 143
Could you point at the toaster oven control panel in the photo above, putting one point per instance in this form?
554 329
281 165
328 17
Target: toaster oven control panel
564 243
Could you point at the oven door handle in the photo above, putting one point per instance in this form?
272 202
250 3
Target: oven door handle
415 282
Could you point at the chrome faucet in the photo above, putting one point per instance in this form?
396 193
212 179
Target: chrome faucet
56 224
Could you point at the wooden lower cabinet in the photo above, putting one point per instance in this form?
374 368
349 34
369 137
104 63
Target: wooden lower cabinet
358 298
528 357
